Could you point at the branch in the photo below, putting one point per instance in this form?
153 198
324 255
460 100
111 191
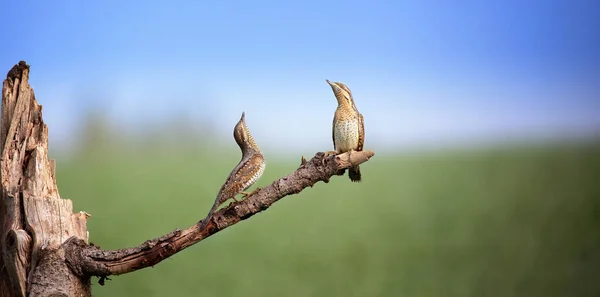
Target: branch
89 260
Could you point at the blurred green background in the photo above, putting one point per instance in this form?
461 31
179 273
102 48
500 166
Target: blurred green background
513 220
484 116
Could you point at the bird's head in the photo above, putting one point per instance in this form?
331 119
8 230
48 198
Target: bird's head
242 135
342 93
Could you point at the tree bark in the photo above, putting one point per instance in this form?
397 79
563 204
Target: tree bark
35 220
44 245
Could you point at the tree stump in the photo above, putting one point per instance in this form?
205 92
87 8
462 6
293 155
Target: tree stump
35 220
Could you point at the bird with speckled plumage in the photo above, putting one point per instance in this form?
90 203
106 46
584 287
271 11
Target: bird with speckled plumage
348 126
246 173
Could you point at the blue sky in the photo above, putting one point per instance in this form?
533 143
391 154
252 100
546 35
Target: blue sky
422 72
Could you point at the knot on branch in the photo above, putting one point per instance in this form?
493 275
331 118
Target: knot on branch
17 258
76 251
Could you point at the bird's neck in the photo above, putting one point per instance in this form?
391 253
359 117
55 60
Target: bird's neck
345 105
250 148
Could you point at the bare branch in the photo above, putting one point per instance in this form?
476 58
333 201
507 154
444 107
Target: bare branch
89 260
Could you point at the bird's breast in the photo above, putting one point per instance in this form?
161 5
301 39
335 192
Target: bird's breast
345 135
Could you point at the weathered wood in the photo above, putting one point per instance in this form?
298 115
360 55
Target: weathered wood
17 259
35 220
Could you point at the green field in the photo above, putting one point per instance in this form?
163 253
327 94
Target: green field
521 221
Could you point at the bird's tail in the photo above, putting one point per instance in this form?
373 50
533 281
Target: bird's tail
210 214
354 173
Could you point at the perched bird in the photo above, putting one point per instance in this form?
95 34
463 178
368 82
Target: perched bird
348 126
245 174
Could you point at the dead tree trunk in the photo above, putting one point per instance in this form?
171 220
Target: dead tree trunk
44 245
35 220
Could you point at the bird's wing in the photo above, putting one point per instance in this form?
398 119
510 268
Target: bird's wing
247 171
333 134
361 132
238 176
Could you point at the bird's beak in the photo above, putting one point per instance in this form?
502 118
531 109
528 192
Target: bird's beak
330 83
243 119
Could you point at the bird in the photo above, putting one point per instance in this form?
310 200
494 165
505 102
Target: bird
245 174
348 126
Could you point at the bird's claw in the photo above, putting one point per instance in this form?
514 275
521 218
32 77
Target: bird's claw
246 194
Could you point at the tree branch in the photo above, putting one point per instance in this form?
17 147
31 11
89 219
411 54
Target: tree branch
89 260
